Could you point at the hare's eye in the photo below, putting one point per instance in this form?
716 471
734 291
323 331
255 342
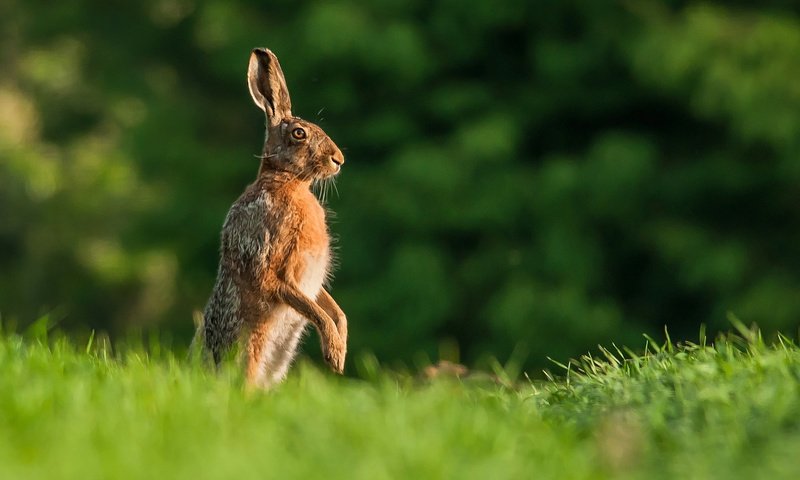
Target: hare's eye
298 133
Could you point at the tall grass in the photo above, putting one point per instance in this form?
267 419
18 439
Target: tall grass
723 409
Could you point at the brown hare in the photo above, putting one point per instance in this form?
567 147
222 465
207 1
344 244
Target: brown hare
275 248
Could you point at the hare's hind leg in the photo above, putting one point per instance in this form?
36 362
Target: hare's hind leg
261 335
257 341
282 350
271 346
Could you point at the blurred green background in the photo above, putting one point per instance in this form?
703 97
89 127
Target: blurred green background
536 175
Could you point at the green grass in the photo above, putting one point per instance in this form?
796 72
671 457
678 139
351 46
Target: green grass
728 410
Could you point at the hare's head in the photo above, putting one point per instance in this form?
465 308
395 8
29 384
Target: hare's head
293 145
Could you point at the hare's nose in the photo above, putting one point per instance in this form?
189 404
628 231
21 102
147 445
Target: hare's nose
337 158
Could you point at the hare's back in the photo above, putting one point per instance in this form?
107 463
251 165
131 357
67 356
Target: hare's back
246 231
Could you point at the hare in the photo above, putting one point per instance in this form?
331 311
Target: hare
275 248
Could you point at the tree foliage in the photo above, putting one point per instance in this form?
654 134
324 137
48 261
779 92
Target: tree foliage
551 175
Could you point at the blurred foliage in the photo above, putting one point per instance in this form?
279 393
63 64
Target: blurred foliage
548 175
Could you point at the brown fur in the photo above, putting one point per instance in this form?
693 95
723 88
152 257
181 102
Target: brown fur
275 248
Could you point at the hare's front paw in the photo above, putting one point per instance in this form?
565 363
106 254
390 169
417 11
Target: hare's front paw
334 352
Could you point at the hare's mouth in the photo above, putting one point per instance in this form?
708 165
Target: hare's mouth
326 172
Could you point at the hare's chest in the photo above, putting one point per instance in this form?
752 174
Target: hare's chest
313 271
312 256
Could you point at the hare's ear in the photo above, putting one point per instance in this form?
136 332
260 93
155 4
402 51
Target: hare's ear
267 86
